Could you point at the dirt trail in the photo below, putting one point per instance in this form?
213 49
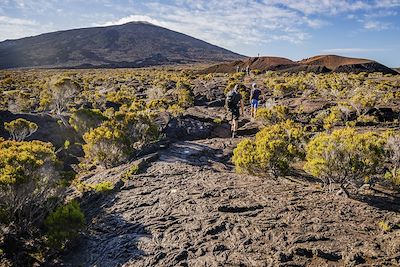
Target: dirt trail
190 209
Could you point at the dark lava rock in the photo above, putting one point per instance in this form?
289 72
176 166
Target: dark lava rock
188 129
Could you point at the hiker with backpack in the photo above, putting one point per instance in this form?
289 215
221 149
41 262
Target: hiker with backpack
234 103
254 100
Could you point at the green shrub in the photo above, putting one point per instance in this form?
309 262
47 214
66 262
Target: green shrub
157 104
64 224
273 149
344 156
20 129
385 226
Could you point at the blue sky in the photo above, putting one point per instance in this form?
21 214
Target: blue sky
288 28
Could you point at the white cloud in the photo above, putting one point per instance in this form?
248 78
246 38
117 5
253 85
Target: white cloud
250 21
13 28
376 25
228 25
130 19
353 50
16 21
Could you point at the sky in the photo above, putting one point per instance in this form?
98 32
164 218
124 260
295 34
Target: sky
288 28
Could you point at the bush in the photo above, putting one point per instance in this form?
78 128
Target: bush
20 129
29 173
175 110
133 170
345 156
334 118
103 186
366 120
139 128
184 98
392 151
273 149
106 145
114 141
273 114
161 103
84 120
64 224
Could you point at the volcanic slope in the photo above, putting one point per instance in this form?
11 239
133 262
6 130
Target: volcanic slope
135 44
317 64
189 208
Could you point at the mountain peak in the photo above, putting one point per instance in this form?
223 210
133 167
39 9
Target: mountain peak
133 44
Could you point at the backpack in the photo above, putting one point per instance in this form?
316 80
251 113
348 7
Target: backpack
232 99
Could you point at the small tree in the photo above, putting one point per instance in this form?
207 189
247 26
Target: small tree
344 156
59 94
20 129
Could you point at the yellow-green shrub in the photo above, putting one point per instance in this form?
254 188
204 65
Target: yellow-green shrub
83 120
184 98
273 149
334 118
392 151
103 186
64 224
114 141
367 120
273 115
344 156
106 145
133 170
29 173
20 129
175 110
157 104
138 127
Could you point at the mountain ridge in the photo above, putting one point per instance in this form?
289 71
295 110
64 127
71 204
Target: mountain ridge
134 44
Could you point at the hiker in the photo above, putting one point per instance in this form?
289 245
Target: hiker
237 68
248 70
254 100
234 103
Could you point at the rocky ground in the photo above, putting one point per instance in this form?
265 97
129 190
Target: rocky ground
189 208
